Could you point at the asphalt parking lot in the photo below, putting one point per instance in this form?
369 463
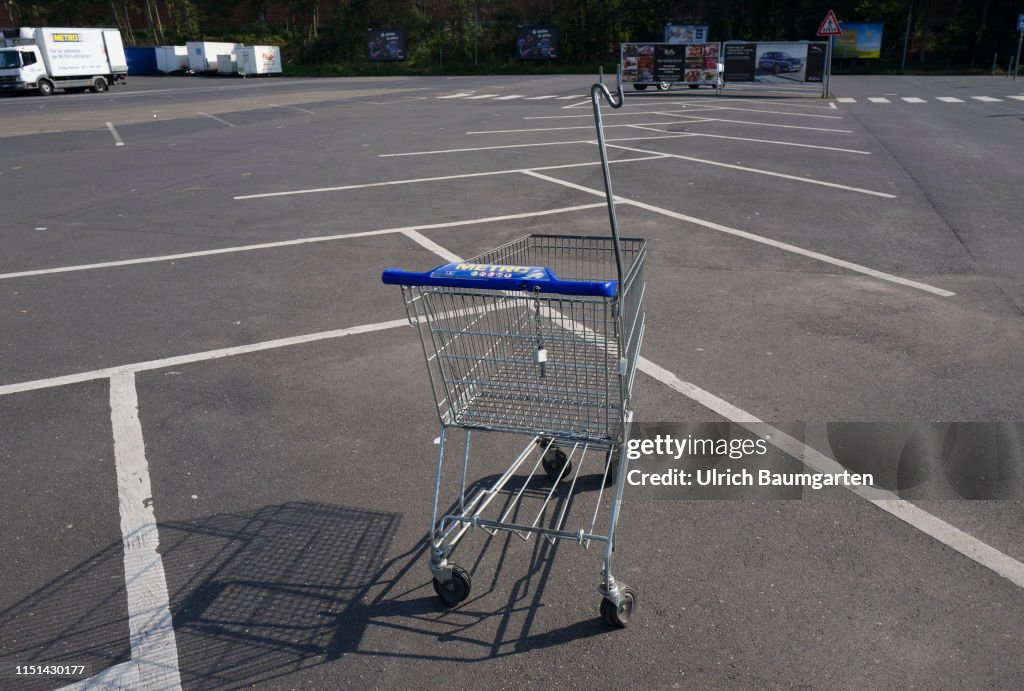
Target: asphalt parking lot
217 439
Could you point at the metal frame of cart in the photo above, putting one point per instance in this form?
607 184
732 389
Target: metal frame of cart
539 337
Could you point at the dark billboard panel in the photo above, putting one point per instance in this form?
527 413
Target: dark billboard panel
386 45
740 62
537 42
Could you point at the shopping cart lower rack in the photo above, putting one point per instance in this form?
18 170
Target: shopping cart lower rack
539 337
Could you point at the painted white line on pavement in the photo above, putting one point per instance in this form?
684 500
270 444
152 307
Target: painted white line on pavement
949 535
569 127
526 146
458 95
760 171
429 244
987 99
858 268
302 110
949 99
913 99
288 243
197 357
117 138
879 99
846 99
1017 98
214 117
509 97
772 112
479 96
541 98
773 141
756 124
153 646
566 98
410 181
833 106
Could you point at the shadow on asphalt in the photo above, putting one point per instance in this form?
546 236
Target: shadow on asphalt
259 595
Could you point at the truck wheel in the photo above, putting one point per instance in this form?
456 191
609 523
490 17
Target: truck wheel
99 85
45 87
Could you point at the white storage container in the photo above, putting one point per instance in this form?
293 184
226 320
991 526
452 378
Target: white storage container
171 59
258 60
202 55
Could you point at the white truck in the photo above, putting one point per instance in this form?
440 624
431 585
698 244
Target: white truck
44 59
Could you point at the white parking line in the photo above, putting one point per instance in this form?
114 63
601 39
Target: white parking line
987 99
566 98
768 112
541 98
913 99
757 124
759 171
117 137
509 97
479 96
879 99
1018 98
773 141
846 99
301 110
287 243
457 176
526 146
949 99
458 95
858 268
151 632
214 117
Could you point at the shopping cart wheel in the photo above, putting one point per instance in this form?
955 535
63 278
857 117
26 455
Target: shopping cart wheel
455 589
556 464
619 616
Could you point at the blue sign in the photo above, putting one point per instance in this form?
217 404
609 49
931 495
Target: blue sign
1020 22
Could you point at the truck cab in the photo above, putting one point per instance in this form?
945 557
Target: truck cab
21 67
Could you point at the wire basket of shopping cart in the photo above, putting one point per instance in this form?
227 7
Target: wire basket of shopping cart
539 337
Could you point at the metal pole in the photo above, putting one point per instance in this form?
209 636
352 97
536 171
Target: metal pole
828 67
906 37
995 59
1016 62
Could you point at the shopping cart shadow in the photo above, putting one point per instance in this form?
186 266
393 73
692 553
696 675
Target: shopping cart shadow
261 594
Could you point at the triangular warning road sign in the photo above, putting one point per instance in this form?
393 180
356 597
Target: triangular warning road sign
830 27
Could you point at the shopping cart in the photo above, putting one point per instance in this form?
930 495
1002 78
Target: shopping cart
538 337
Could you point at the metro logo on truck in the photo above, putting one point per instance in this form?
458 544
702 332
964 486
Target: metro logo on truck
66 38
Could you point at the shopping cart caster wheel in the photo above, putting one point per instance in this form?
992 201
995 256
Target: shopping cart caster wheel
456 589
556 464
619 616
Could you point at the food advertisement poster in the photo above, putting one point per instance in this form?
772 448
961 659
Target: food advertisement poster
537 42
858 40
661 62
386 45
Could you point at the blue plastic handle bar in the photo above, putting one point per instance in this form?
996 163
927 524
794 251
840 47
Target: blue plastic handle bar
500 277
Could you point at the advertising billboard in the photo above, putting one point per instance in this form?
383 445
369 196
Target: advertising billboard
858 40
537 42
386 45
651 63
777 63
686 34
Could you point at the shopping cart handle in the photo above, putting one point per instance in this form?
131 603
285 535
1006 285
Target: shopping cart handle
499 277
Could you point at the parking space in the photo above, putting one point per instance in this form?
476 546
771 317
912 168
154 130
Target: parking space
220 445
